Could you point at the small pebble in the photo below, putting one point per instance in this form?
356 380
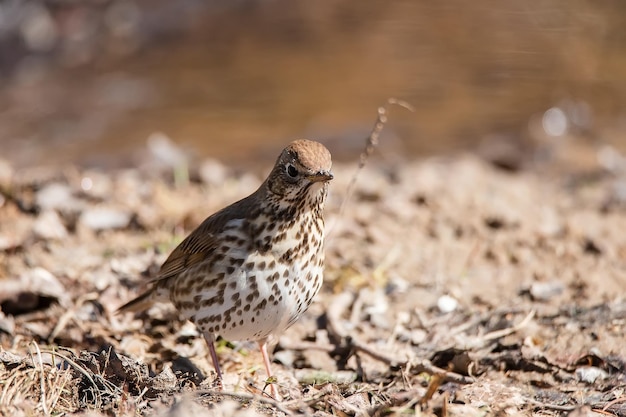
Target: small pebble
55 196
544 291
164 381
105 218
49 226
213 172
286 357
41 281
590 374
447 304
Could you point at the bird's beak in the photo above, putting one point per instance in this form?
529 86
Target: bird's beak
322 176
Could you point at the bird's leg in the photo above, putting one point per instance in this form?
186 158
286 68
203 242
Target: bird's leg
210 339
268 368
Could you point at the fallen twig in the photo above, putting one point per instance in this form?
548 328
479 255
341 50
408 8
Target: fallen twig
245 396
312 400
618 400
336 309
552 406
509 330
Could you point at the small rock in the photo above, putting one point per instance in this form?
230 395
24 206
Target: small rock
7 323
56 196
544 291
129 266
418 336
165 381
376 306
102 218
8 358
25 294
590 374
286 357
396 286
212 172
49 226
447 304
42 281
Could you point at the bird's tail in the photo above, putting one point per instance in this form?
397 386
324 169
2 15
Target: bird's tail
141 303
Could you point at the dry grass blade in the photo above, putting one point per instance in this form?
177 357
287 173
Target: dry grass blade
36 385
41 379
110 388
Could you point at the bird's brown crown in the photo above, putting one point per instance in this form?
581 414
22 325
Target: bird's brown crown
310 154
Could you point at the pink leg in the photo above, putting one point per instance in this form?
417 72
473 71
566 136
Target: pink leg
268 368
209 341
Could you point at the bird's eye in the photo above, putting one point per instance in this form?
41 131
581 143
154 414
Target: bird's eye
292 171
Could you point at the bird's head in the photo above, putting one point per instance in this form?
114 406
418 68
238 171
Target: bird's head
302 170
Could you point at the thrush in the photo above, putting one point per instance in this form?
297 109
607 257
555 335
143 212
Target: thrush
250 270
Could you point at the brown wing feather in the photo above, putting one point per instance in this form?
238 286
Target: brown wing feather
203 240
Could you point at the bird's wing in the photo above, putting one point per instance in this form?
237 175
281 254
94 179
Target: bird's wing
191 251
201 242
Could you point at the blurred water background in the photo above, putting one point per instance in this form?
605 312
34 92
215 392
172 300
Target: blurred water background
89 82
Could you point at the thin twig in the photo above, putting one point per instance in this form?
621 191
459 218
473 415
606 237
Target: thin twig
370 144
244 396
112 388
312 400
552 406
509 330
618 400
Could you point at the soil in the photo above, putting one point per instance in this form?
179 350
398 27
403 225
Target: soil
452 287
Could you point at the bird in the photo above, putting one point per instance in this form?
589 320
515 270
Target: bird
250 270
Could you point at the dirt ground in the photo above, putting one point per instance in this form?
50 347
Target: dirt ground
452 288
